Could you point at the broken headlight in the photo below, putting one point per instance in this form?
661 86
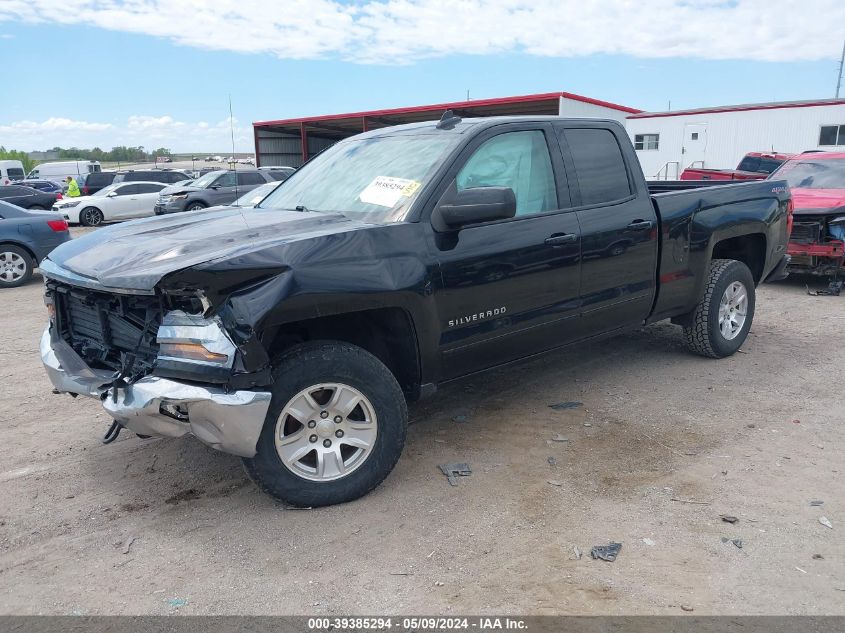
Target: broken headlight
192 339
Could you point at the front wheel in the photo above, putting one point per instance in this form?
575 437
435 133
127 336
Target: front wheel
720 323
195 206
90 216
335 428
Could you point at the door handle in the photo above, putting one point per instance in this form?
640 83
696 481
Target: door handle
559 239
640 225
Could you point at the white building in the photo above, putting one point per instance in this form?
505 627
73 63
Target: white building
717 138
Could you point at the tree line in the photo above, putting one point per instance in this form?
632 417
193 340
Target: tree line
122 154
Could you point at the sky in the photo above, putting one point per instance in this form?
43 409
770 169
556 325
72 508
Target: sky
159 73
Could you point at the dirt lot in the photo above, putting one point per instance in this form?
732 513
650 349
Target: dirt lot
758 436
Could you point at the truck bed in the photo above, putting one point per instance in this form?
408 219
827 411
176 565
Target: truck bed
694 215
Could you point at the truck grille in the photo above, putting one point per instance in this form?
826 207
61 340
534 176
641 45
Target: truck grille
105 329
806 232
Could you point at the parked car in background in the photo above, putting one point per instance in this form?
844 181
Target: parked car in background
166 176
120 201
95 181
817 183
26 237
278 172
27 197
254 197
42 185
213 189
10 171
59 171
753 166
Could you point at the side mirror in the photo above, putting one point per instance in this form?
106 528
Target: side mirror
111 194
475 205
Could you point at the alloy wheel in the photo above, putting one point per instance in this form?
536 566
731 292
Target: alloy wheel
733 309
326 431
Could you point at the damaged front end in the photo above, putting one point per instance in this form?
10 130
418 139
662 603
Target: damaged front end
817 243
160 362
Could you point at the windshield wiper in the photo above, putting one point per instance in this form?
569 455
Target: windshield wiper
300 207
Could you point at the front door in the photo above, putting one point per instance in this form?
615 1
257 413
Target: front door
510 287
144 201
694 145
223 191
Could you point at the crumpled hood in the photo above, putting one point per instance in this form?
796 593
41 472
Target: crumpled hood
814 201
136 255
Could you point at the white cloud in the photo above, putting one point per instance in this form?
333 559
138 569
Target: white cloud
402 31
149 131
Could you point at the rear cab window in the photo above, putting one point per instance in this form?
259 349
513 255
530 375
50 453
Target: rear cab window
600 168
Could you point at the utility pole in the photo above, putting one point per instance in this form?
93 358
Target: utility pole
841 64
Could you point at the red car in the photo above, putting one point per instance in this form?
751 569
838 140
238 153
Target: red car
753 166
817 182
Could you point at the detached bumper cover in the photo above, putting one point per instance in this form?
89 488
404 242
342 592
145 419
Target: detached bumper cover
229 422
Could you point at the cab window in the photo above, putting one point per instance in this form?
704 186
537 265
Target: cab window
519 160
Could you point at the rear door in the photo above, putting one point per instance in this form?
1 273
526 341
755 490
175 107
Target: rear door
123 204
618 227
143 202
249 180
15 195
509 287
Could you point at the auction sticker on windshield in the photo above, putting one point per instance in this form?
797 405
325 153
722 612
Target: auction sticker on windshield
386 191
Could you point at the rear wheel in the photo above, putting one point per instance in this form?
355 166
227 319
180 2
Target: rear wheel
90 216
720 323
335 428
15 266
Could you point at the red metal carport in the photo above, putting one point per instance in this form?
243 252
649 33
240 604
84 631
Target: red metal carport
292 141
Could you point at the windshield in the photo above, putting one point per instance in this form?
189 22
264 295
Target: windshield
203 181
813 174
370 179
759 164
105 190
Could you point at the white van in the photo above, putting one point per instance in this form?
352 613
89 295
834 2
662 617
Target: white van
58 172
10 170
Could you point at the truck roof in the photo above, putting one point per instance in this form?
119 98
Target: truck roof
465 125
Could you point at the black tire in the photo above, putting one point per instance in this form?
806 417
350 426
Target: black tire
702 332
37 207
7 254
195 206
316 363
91 216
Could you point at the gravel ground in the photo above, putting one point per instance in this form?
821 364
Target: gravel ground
664 443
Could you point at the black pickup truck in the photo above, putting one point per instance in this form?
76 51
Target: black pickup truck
293 334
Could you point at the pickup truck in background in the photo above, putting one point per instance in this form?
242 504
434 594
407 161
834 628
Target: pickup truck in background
817 183
753 166
294 333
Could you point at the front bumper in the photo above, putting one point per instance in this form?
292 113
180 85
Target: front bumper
229 422
169 207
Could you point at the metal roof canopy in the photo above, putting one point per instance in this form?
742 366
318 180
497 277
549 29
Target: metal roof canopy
772 105
339 126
